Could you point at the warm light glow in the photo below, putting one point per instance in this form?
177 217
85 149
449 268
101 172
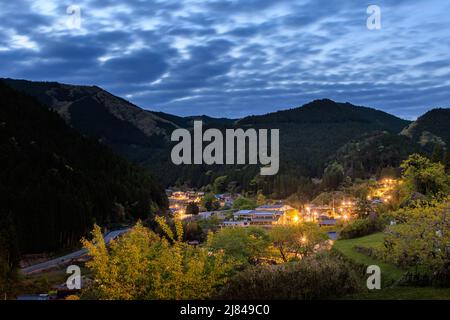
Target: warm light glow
304 239
345 217
295 218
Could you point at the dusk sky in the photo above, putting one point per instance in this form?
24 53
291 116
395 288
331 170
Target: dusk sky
235 58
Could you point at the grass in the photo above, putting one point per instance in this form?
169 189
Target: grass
43 282
390 274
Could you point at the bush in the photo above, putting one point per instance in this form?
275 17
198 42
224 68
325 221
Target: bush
421 244
317 277
243 203
245 245
192 208
193 232
142 265
360 228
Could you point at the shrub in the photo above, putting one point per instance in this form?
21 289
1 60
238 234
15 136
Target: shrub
360 228
245 245
143 265
321 276
192 208
295 242
421 245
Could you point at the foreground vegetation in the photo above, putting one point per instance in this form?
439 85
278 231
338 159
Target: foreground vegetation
408 237
392 287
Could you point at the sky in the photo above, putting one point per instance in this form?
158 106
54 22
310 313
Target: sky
228 58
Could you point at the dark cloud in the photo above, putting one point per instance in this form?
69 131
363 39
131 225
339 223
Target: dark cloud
234 58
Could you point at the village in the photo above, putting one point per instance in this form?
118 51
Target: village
275 212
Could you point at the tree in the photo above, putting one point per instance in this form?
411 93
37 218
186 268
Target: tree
388 172
143 265
243 203
260 199
421 243
333 176
297 241
245 245
9 254
447 161
210 203
323 276
363 208
220 185
423 176
438 153
192 208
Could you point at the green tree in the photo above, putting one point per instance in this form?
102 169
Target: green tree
243 203
438 153
245 245
260 199
297 241
363 208
423 176
333 176
210 203
192 208
420 243
220 184
447 161
321 276
143 265
9 255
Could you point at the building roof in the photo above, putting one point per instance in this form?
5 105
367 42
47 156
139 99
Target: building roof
329 222
257 212
268 206
243 212
265 213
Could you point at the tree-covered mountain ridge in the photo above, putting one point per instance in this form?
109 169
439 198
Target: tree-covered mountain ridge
311 136
55 183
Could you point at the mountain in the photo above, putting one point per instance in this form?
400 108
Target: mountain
371 153
310 135
55 183
328 111
430 129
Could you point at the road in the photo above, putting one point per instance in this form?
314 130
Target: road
68 257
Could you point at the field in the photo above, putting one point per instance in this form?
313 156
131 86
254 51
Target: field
390 274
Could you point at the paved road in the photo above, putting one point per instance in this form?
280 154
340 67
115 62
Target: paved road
68 257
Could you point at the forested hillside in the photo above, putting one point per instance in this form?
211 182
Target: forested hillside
312 137
55 183
430 129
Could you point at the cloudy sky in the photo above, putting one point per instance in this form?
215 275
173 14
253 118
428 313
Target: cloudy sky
236 57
